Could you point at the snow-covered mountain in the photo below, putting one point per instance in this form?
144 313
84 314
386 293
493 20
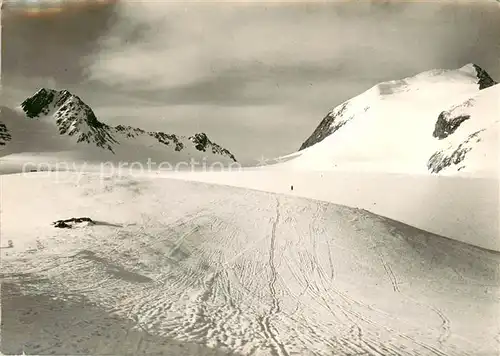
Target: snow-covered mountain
60 125
440 121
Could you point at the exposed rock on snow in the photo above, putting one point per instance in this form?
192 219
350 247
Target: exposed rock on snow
40 102
202 143
332 122
72 222
453 155
166 139
327 126
485 81
449 120
4 134
471 131
446 126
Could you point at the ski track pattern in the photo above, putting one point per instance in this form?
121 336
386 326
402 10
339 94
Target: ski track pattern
225 281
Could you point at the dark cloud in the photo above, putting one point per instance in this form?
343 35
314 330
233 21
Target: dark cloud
54 46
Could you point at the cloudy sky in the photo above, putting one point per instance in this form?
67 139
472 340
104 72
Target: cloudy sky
257 78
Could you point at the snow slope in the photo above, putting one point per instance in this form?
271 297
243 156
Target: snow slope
59 126
197 269
390 128
464 208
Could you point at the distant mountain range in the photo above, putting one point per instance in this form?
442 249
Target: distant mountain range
436 122
53 121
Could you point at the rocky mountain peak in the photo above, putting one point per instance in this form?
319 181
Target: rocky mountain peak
202 143
73 117
39 103
485 81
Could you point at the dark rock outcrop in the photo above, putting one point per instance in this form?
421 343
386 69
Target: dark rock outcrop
485 81
166 139
69 223
446 158
445 126
326 127
335 120
202 143
450 120
129 131
39 103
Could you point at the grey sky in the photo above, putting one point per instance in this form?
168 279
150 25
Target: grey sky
257 78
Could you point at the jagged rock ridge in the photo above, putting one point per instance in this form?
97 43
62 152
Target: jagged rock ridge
453 156
203 143
331 123
485 81
75 118
163 138
326 127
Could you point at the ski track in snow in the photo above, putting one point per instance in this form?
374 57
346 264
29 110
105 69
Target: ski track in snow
253 273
